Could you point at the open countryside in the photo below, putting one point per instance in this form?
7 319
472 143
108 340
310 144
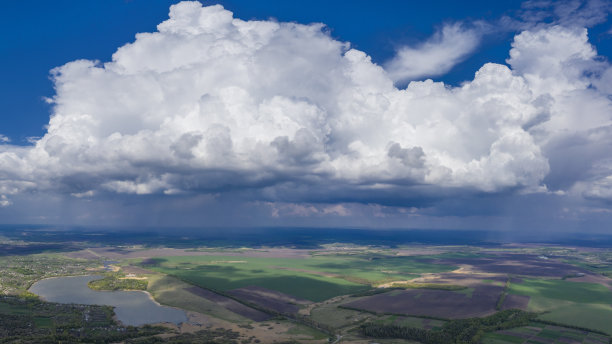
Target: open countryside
344 291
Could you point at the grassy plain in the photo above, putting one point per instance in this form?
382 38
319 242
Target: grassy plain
172 292
308 332
316 278
581 304
594 316
329 312
563 290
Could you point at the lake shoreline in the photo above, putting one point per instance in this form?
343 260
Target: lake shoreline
129 309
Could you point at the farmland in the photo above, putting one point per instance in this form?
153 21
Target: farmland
433 303
315 278
346 292
543 333
587 305
173 292
578 292
449 285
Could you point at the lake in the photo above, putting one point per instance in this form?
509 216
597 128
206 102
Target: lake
131 307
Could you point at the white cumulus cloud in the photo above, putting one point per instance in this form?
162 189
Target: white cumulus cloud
211 104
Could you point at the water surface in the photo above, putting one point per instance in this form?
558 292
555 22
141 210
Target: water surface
131 307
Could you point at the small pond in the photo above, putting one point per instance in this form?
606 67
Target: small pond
131 307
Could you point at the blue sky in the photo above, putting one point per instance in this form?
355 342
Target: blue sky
49 34
210 121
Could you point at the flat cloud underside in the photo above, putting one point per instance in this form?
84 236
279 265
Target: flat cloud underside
211 103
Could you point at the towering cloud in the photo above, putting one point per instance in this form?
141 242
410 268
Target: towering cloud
212 104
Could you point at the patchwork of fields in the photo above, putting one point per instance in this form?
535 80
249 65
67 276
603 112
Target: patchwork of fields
449 285
315 278
310 296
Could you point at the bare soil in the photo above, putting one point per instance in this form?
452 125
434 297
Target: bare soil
270 299
135 270
230 304
436 303
516 264
462 276
591 278
516 302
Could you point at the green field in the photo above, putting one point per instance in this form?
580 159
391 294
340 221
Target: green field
498 338
12 309
595 316
303 331
316 278
331 314
539 333
563 290
171 291
43 322
337 317
587 305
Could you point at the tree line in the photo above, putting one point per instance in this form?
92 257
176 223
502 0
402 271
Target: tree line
459 331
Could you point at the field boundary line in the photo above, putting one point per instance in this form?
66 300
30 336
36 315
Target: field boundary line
296 318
